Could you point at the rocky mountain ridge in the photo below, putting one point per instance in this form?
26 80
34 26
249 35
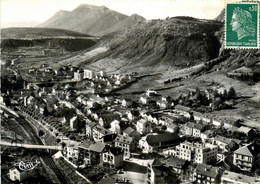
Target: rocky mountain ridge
178 41
88 19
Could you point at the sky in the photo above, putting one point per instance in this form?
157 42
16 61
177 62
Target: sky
37 11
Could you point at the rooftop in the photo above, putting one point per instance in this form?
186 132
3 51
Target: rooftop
86 144
129 130
244 129
238 177
198 126
182 108
161 139
249 150
207 170
175 162
97 147
124 139
222 139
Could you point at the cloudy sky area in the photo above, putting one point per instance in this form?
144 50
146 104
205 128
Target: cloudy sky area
13 12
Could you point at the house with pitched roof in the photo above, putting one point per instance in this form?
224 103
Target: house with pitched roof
197 116
226 144
72 150
132 115
197 129
157 172
152 143
128 131
172 128
177 165
206 135
193 129
132 133
244 157
17 174
183 110
115 127
106 119
99 132
127 144
113 157
90 152
143 126
222 142
188 128
246 130
198 153
166 119
206 174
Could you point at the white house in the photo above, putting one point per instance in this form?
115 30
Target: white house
115 127
88 74
78 75
143 127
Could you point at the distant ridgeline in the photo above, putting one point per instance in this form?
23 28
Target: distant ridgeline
29 41
69 44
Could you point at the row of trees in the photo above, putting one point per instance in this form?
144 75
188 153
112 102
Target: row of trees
201 98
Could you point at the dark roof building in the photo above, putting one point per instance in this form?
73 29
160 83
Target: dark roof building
162 140
206 174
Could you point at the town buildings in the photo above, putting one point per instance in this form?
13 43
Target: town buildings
16 174
126 143
152 143
108 130
245 156
229 177
198 153
113 157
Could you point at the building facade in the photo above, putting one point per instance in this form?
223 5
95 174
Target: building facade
198 153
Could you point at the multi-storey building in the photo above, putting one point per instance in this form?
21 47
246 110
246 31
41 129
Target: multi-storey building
245 156
78 75
143 126
88 74
206 174
126 143
89 152
199 153
113 157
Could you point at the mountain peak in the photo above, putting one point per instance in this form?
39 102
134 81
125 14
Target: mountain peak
89 19
91 6
137 17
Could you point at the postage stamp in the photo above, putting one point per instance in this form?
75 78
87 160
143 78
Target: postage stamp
242 25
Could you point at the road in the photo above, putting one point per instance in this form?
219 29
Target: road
36 140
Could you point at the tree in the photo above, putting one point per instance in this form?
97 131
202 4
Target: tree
225 95
231 93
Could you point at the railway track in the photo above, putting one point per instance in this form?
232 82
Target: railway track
36 140
47 159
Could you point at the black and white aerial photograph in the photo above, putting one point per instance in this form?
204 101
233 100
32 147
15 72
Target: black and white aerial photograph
130 92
